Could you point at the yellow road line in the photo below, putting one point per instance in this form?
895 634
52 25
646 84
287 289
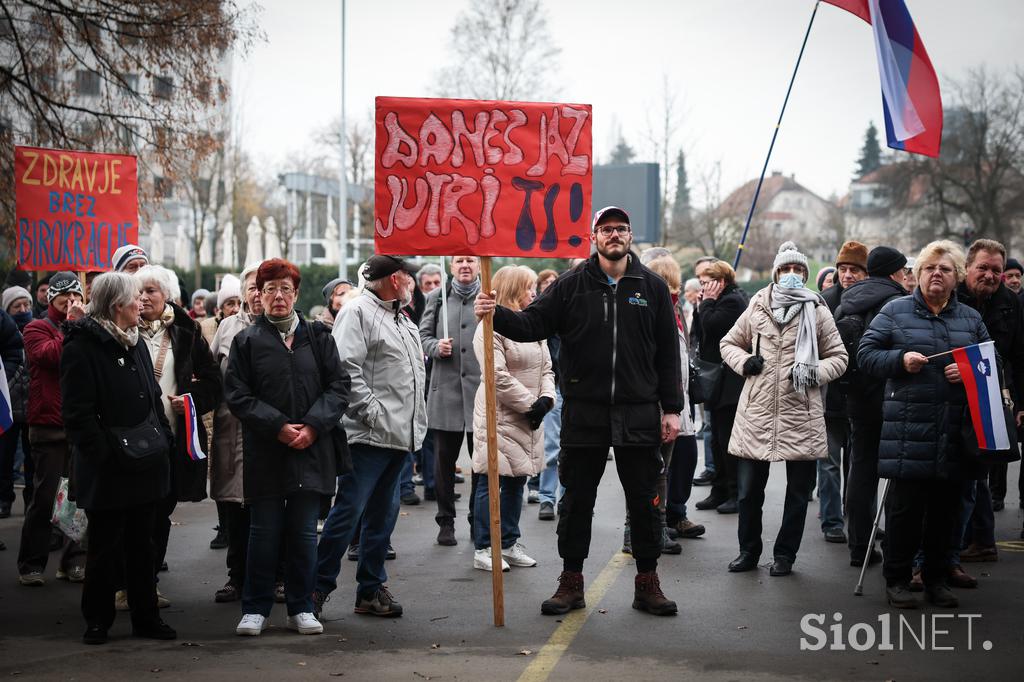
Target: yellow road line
572 623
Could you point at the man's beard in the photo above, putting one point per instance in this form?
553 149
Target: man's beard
614 256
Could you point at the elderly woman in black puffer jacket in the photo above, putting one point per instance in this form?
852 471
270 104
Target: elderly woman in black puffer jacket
926 433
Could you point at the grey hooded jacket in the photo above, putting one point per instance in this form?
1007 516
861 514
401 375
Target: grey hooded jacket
380 350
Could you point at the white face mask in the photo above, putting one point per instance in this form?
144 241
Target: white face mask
791 280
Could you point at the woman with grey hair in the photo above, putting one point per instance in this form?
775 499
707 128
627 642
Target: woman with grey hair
182 365
121 441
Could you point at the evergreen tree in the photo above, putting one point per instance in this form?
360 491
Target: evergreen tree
681 203
622 154
870 154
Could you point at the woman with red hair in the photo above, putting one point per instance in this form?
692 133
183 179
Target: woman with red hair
285 384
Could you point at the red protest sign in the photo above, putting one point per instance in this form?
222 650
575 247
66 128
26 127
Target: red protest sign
73 209
482 177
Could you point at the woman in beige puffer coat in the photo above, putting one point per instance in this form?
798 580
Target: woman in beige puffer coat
787 348
524 386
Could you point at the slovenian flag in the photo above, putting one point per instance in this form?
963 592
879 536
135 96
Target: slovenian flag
910 88
6 416
977 365
193 445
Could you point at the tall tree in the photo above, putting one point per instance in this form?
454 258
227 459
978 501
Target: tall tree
682 223
871 153
501 49
622 154
135 76
661 133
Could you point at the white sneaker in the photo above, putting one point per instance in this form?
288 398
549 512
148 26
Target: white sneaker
305 624
482 560
252 624
517 557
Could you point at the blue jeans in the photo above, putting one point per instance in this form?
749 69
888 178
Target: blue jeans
293 517
705 436
830 482
405 484
552 431
511 508
370 491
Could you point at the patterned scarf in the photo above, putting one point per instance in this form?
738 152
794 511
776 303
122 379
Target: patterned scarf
165 321
127 338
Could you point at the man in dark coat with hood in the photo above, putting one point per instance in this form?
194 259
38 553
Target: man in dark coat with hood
859 305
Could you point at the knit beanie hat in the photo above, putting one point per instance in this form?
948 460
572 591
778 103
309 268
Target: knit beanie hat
199 293
884 261
823 273
853 253
788 254
329 288
128 252
12 294
1011 264
63 283
230 287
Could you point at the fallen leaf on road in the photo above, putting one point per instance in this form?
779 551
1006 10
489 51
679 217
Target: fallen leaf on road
435 646
403 513
343 639
438 618
302 663
602 610
175 523
525 652
422 676
742 627
154 670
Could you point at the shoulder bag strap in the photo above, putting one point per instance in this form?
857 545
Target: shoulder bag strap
158 368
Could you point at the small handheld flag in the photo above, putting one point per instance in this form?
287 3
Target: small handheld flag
910 89
6 416
193 444
977 365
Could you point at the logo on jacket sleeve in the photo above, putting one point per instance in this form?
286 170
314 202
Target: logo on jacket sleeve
637 299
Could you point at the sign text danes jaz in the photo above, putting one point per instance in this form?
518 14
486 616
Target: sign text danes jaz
481 177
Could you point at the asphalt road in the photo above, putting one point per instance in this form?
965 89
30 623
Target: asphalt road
729 627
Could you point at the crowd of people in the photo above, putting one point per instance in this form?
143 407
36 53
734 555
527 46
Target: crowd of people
318 428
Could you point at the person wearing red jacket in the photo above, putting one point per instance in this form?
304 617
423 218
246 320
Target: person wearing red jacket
44 343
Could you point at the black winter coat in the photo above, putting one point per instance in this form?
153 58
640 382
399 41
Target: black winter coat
105 386
1003 318
268 385
717 317
619 354
865 298
195 372
925 417
835 401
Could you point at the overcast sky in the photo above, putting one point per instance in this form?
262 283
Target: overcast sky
728 60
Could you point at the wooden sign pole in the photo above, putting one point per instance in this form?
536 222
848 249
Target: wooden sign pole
493 498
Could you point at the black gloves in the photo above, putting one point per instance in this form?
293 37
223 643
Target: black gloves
535 415
753 366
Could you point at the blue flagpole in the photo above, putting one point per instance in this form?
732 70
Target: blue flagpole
778 124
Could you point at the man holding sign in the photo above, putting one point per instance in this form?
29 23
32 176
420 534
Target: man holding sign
620 379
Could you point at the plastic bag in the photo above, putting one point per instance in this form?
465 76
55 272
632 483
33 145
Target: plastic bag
66 515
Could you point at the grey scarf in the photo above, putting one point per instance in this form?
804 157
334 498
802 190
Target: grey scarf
466 290
786 305
285 325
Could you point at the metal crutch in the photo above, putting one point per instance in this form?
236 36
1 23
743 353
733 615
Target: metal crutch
859 590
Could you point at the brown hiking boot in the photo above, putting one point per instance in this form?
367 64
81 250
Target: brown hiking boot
647 596
568 596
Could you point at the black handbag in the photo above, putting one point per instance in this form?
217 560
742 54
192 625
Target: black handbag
140 447
705 381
